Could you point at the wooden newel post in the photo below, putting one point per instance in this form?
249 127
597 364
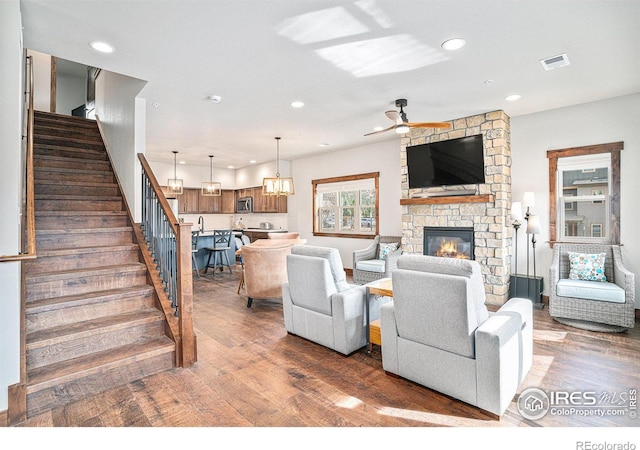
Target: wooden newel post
188 349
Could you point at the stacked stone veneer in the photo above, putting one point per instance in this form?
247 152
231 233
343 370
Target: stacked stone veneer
492 232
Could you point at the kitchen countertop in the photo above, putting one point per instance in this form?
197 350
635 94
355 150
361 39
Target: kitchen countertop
210 232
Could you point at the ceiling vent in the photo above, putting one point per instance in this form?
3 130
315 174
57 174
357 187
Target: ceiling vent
555 62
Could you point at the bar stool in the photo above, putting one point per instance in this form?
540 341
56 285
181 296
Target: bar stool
221 246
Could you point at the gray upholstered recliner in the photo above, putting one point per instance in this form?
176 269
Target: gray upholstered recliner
592 305
369 265
319 304
438 333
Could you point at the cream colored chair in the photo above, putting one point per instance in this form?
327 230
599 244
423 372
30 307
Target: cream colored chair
265 270
289 235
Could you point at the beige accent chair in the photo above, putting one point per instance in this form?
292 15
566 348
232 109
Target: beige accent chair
592 305
288 235
367 264
265 270
438 332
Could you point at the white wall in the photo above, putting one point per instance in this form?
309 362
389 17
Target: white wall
610 120
70 93
192 176
253 175
10 182
382 157
123 118
42 80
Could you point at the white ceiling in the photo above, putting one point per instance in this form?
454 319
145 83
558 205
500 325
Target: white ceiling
347 61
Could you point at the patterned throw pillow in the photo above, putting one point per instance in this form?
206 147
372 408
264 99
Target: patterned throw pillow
385 249
587 267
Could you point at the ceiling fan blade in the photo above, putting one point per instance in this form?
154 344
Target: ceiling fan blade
428 124
393 115
381 131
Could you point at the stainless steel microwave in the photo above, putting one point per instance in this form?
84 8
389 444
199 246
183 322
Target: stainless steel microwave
244 204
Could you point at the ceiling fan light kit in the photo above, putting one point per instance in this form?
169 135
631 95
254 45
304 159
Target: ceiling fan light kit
402 125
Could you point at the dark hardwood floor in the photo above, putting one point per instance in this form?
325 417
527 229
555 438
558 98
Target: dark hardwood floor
251 373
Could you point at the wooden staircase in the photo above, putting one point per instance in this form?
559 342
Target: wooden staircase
93 320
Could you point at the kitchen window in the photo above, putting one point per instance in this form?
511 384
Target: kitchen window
346 206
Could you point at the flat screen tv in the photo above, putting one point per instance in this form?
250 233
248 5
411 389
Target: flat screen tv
446 163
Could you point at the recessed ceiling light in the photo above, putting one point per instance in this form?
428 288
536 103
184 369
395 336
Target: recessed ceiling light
101 47
324 144
253 161
214 98
230 167
182 162
512 97
453 44
378 128
297 104
488 82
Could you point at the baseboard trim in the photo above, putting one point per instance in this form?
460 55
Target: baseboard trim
17 412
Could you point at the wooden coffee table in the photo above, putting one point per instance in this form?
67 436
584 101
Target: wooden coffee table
382 287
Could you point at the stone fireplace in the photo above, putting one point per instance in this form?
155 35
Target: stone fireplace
486 213
449 242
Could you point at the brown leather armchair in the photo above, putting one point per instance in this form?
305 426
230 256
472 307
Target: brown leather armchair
265 269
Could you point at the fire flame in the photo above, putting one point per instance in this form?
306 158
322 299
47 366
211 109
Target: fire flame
449 249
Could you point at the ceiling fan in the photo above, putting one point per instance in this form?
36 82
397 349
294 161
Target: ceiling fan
401 125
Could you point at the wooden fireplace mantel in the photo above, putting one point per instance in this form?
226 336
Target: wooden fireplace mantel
485 198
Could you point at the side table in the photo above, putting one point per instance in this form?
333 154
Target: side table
382 287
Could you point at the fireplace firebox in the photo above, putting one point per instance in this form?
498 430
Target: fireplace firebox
448 242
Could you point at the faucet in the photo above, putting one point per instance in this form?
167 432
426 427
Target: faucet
201 223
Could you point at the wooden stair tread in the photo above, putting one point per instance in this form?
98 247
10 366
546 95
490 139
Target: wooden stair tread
81 213
86 250
95 271
74 369
82 230
48 115
68 159
100 153
63 333
56 303
67 170
76 183
66 197
54 137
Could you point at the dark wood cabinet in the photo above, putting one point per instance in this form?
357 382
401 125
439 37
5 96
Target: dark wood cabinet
228 202
188 202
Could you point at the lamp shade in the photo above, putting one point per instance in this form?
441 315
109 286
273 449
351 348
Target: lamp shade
533 224
528 200
516 211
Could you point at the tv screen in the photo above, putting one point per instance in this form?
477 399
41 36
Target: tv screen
446 163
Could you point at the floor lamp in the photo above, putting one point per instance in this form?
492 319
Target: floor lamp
516 216
528 201
533 228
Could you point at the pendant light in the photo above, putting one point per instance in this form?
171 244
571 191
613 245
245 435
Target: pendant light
211 188
174 185
277 185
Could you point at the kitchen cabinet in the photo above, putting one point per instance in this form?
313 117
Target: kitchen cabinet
228 202
224 204
264 203
188 202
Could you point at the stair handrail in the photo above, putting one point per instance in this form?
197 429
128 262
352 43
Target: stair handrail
28 221
169 242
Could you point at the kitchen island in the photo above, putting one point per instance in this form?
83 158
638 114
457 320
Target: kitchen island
257 233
